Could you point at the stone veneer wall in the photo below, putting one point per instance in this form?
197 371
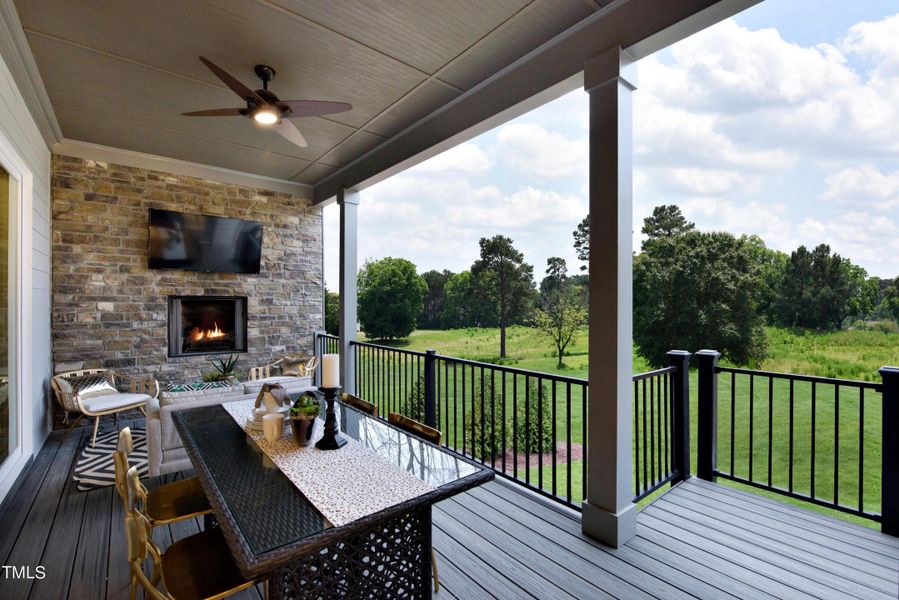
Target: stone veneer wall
110 310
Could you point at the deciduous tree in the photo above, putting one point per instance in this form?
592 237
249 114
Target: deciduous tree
332 312
561 312
697 290
434 299
582 242
390 298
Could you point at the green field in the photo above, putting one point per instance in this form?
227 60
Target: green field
852 355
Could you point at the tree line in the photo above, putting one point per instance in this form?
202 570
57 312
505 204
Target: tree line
692 290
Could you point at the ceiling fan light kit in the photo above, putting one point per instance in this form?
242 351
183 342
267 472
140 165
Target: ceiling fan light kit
265 108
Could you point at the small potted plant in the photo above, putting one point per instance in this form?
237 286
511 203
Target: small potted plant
302 417
225 369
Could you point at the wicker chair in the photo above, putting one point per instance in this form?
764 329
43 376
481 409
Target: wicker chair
265 371
98 392
199 566
432 435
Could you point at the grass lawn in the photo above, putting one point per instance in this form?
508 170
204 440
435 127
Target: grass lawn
847 355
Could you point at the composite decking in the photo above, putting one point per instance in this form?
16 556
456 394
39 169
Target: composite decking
699 540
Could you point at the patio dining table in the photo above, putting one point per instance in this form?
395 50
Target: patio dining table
370 548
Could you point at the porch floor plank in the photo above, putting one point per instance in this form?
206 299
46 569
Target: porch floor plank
698 540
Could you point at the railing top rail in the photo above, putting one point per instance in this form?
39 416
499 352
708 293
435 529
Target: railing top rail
655 373
513 370
390 348
327 335
868 385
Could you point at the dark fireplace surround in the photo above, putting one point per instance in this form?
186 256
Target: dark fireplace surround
201 325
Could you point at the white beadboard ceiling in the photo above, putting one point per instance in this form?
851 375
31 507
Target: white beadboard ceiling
121 73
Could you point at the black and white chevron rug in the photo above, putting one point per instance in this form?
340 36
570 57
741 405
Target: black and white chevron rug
95 468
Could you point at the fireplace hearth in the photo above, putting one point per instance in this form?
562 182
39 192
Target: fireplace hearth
207 325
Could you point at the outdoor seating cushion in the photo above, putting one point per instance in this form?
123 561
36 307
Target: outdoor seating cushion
113 401
169 397
92 385
289 383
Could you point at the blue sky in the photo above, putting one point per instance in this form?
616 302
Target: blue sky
770 123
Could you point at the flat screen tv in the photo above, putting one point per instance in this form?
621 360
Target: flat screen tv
203 243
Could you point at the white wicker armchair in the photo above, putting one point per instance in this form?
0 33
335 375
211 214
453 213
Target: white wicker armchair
100 392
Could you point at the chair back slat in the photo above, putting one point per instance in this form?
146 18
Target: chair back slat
415 427
360 404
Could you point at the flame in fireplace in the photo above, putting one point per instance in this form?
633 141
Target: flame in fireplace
198 335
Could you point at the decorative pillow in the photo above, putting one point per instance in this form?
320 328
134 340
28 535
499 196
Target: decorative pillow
92 385
197 386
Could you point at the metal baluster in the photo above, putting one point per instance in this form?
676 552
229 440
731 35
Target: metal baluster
504 421
527 429
770 425
568 438
733 418
540 432
836 445
790 487
813 448
555 445
751 419
861 449
515 425
492 417
464 431
646 479
637 437
483 428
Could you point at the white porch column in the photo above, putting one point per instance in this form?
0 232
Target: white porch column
348 200
608 513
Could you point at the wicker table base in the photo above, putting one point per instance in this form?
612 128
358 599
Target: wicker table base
390 559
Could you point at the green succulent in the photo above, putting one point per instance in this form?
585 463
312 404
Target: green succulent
306 406
225 367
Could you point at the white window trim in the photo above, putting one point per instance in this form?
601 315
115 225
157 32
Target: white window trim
21 196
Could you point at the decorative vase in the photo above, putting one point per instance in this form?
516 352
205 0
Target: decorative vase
302 429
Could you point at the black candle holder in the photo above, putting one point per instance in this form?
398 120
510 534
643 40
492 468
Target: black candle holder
331 440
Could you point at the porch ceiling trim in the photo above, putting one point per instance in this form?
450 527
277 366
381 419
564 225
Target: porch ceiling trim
640 26
16 53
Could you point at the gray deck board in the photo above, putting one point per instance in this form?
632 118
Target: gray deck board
698 540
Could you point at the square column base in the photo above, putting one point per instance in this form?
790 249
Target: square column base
612 529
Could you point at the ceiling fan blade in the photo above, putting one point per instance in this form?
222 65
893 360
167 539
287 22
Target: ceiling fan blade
216 112
314 108
288 130
235 86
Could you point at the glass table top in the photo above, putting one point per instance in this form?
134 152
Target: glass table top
263 504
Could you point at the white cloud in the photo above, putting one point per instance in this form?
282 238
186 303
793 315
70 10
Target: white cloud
534 151
465 158
875 41
863 186
866 239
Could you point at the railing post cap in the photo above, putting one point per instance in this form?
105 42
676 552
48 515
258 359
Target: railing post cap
709 353
888 371
679 353
430 352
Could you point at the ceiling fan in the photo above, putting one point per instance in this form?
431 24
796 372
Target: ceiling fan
264 107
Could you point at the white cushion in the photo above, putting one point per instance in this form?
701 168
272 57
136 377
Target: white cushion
196 395
113 401
289 383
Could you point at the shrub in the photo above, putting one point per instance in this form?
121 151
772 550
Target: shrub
414 406
490 436
534 428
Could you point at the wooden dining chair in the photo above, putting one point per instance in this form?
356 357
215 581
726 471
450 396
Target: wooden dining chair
417 428
167 503
197 567
360 404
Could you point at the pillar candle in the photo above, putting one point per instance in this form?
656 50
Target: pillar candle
331 370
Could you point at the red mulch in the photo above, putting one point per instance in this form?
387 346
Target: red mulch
531 461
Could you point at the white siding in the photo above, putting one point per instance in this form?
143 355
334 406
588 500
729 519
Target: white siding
20 130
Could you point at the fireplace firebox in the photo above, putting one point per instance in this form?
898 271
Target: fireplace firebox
207 325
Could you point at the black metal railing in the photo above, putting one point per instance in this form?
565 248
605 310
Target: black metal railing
815 439
528 426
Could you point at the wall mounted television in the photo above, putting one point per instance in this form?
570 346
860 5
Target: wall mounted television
203 243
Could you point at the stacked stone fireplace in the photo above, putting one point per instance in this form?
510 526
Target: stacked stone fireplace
111 310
